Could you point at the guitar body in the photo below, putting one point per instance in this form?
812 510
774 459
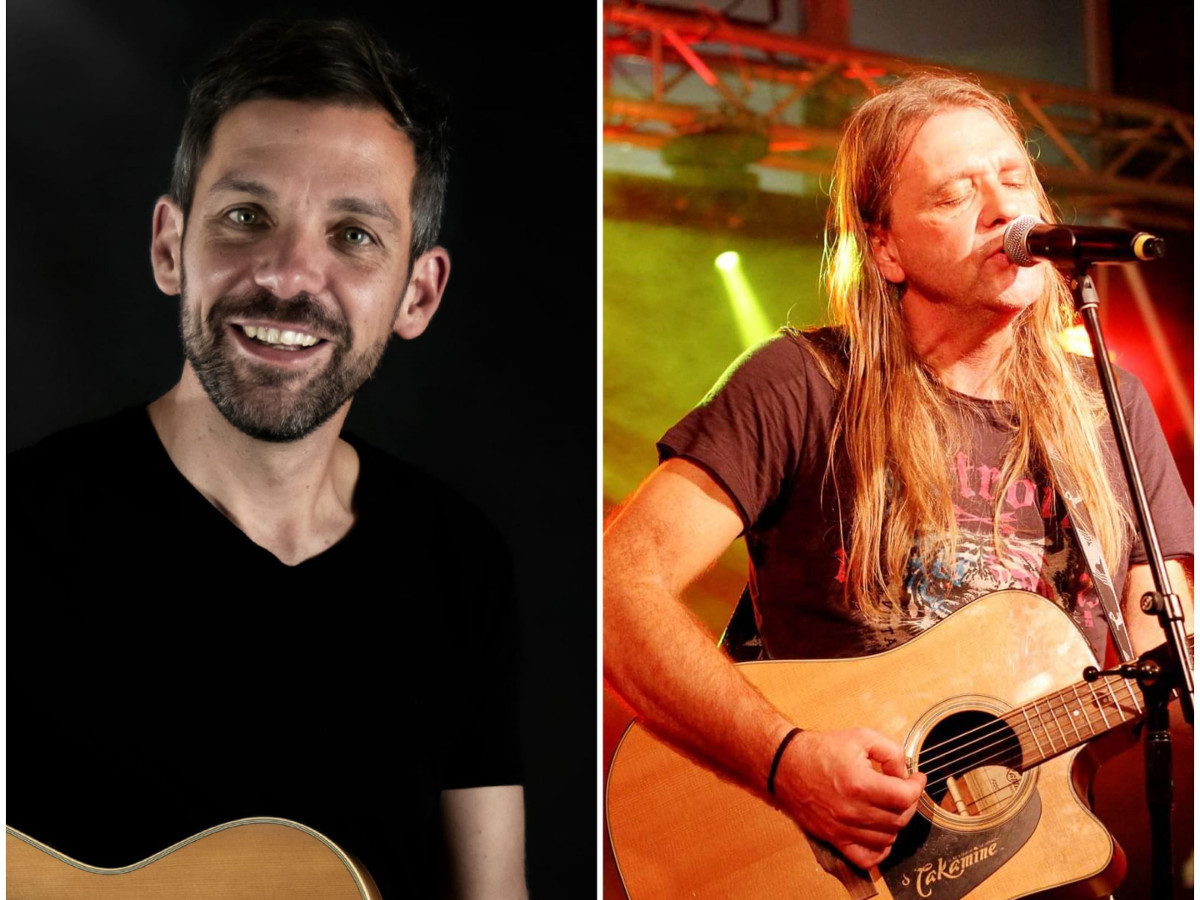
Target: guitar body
250 859
678 829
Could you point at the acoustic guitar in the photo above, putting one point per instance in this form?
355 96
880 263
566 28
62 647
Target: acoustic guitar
990 705
250 859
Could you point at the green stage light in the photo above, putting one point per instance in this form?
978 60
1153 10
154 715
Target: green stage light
752 322
728 261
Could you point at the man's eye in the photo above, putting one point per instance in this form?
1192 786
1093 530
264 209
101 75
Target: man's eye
357 236
243 216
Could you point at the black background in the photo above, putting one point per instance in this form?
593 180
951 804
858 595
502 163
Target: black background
497 398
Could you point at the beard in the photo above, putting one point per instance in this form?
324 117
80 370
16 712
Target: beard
263 401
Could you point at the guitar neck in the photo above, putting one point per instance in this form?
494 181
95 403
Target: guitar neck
1075 715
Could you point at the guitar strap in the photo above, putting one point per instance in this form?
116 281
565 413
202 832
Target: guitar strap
1081 522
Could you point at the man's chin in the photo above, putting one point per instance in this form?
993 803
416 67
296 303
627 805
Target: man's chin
272 406
1019 294
271 423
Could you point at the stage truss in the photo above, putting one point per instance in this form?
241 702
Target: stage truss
669 73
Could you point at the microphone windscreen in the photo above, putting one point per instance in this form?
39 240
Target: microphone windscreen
1015 234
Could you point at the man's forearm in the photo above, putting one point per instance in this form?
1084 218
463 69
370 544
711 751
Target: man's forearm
667 666
485 838
663 662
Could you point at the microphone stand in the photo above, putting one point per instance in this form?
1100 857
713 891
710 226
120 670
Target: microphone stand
1158 676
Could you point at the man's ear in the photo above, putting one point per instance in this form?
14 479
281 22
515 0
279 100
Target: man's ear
883 250
166 245
423 294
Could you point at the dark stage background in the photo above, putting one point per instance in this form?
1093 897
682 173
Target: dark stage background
497 398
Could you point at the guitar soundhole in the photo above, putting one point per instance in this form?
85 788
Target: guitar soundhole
970 759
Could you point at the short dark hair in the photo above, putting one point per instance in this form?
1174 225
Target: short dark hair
338 61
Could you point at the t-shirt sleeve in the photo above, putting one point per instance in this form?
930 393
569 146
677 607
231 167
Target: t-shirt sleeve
1170 506
746 433
484 748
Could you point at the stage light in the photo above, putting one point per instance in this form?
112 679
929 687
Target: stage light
1075 340
752 323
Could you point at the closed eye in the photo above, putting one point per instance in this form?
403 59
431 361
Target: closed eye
1014 177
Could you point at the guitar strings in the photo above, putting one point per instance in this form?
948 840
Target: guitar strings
1015 728
1061 695
1008 731
1007 760
981 808
1070 696
1066 697
1091 719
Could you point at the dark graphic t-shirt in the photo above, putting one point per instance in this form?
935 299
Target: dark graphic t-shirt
763 433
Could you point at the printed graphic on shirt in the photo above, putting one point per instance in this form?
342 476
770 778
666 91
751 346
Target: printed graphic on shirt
1037 553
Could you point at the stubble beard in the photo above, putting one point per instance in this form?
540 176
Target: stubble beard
266 402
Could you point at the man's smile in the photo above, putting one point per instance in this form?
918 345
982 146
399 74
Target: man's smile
276 337
273 344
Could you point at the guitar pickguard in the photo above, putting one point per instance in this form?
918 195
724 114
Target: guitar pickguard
929 862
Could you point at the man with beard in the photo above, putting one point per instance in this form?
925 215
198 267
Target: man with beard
240 607
884 472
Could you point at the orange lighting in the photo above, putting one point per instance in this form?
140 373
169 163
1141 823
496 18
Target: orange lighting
857 71
1075 340
788 146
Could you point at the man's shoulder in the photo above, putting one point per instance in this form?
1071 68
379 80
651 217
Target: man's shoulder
814 357
830 342
395 487
434 541
85 486
789 344
1135 400
81 450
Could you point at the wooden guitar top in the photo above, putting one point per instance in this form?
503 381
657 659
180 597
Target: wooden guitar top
249 859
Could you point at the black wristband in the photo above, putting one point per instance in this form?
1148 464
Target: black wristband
787 739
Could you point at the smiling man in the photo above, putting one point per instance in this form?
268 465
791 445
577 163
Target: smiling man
250 613
885 471
303 261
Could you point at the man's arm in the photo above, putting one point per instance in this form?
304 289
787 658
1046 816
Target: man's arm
1144 630
666 665
485 840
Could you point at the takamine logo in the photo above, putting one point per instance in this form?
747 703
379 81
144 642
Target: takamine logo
931 873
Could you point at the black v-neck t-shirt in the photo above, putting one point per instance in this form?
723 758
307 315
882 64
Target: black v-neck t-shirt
166 674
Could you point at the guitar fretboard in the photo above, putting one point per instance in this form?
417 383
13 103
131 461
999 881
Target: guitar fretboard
1054 724
1057 722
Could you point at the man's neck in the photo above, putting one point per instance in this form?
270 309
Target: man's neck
965 354
293 499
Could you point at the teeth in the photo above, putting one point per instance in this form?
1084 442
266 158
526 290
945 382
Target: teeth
275 336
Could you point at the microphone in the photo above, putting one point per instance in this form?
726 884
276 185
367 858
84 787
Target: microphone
1027 241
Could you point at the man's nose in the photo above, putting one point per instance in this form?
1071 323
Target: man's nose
291 262
1001 204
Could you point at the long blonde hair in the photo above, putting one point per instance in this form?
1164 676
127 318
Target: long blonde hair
895 417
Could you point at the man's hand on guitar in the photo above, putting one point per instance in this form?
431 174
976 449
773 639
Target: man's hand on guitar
850 788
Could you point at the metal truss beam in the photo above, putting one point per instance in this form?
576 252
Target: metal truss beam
670 72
